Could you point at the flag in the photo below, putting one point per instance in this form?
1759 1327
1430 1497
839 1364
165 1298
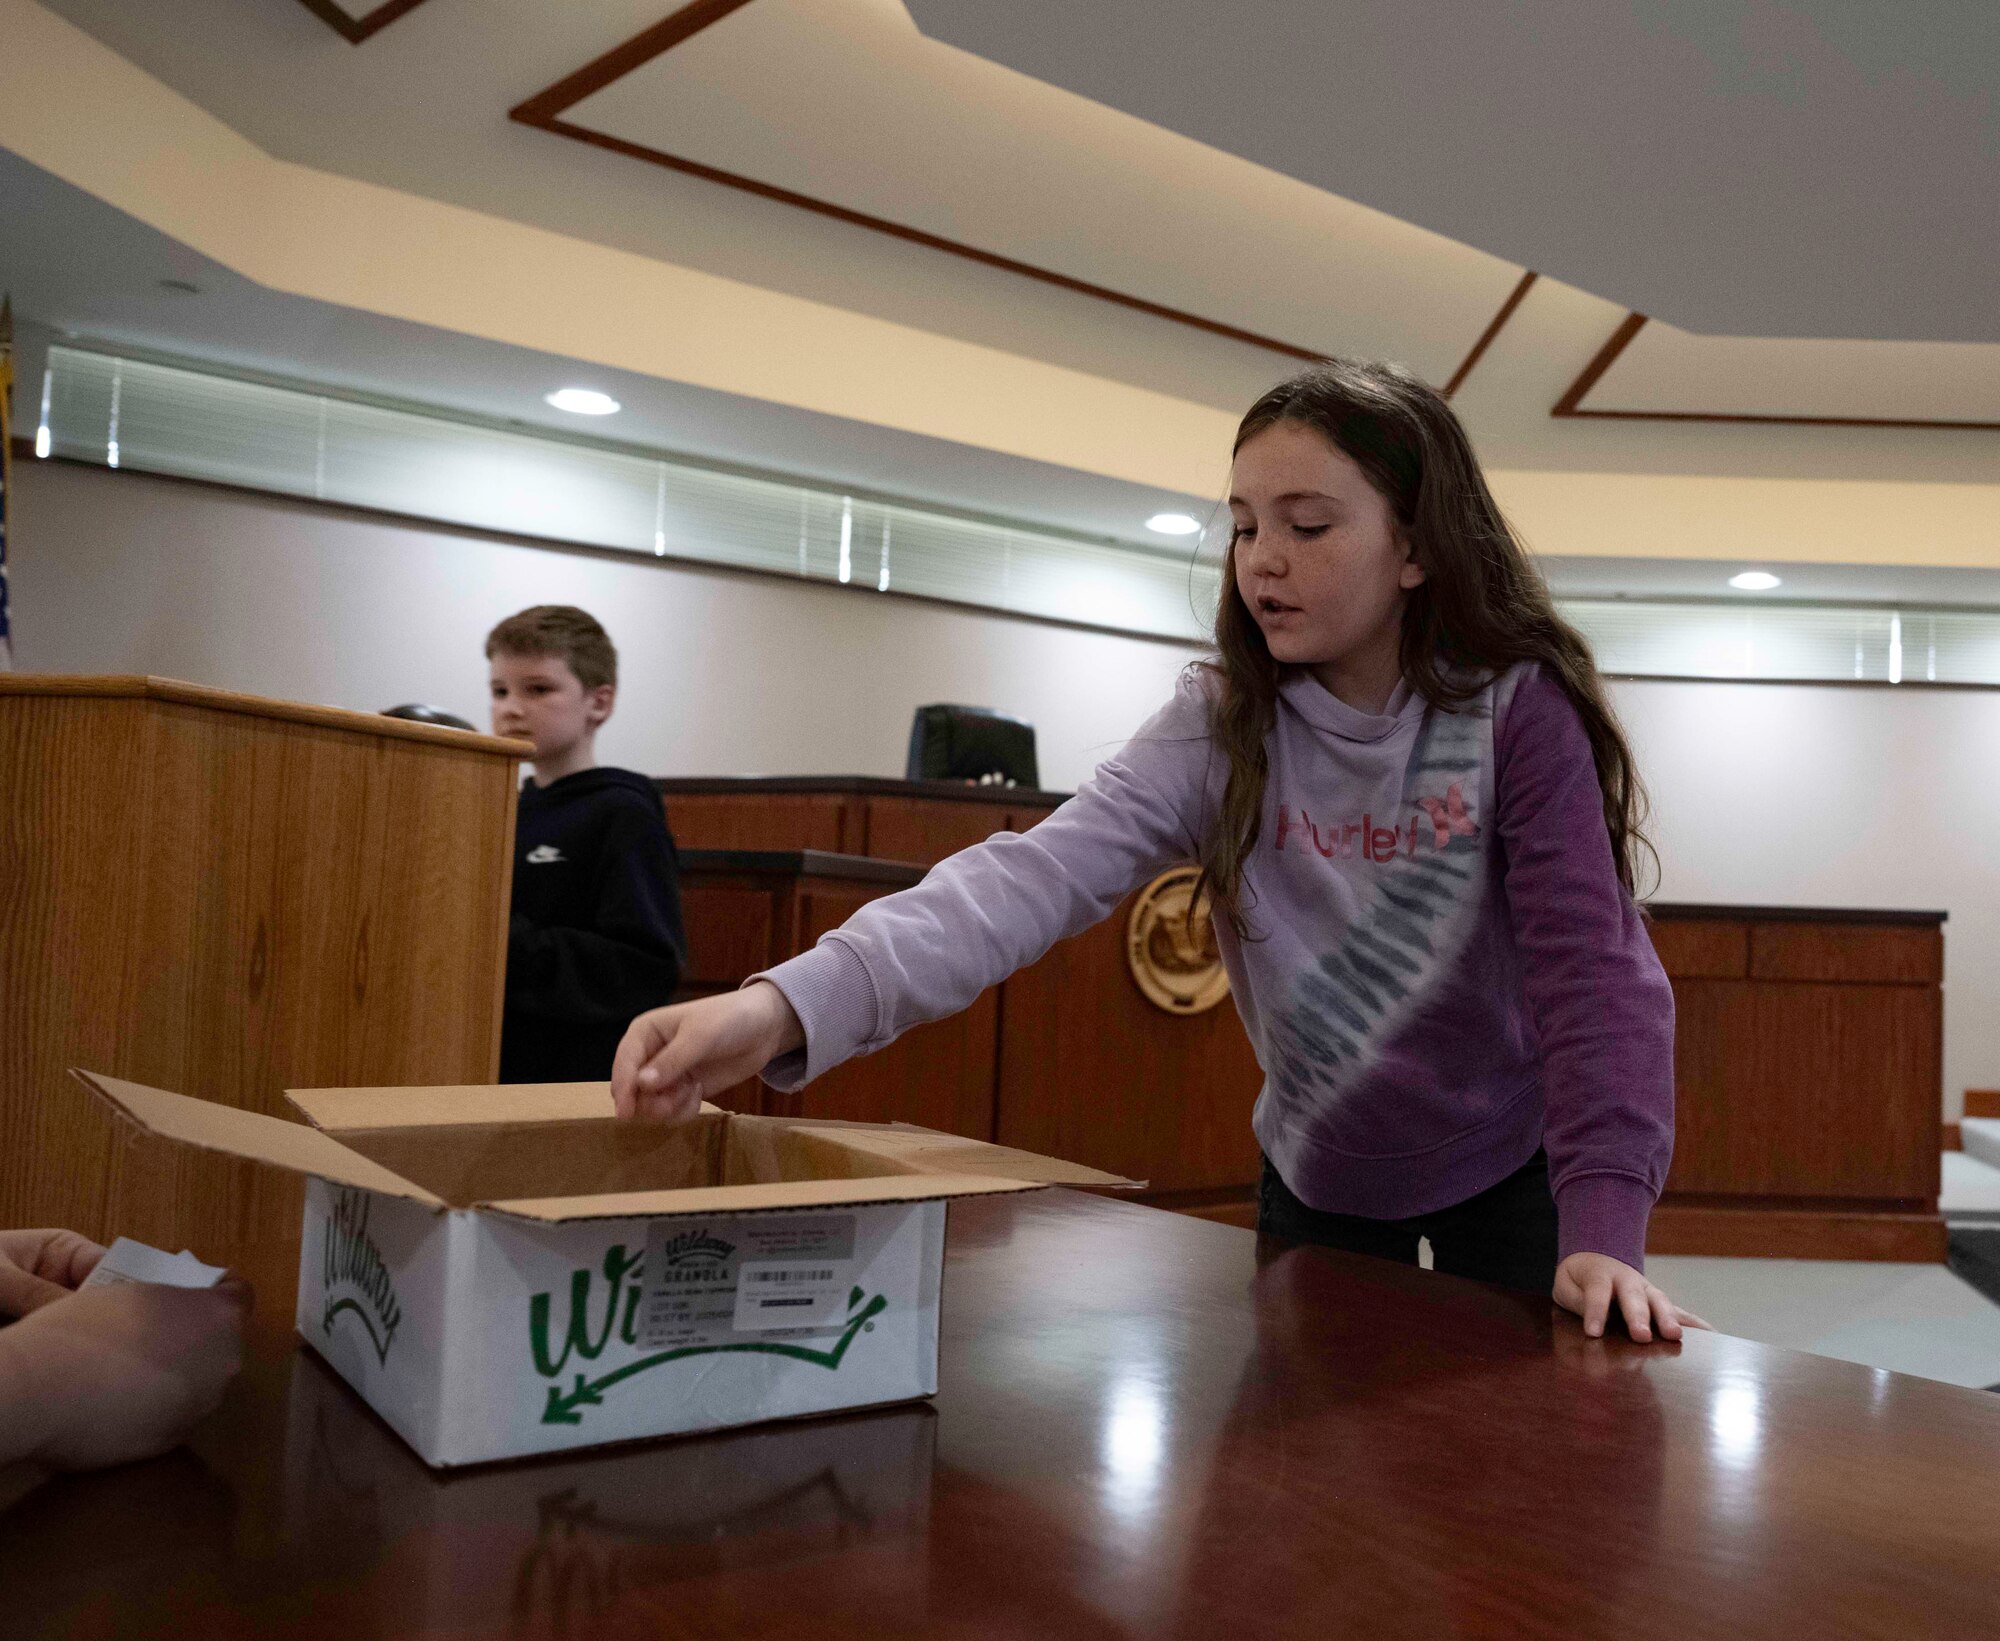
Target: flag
6 469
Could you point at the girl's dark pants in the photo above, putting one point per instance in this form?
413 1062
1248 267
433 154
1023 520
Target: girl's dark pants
1506 1234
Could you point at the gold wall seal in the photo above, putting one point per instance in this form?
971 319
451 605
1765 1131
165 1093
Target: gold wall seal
1176 966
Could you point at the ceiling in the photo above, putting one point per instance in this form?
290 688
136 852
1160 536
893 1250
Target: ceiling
1785 168
76 266
1102 213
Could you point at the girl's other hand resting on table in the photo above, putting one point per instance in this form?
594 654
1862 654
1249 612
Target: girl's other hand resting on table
674 1058
1589 1284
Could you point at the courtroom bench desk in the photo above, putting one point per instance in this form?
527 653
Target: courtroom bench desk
1141 1429
1809 1048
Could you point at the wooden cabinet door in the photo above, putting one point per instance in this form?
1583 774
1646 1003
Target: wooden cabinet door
925 830
937 1076
1803 1090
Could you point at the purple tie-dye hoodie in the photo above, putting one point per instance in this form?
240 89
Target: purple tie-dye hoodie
1443 972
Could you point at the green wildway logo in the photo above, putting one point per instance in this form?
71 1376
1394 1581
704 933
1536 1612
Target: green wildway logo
353 1277
590 1329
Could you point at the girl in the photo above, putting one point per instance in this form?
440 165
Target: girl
1417 824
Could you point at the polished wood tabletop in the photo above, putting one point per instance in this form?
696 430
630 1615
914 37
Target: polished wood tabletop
1146 1425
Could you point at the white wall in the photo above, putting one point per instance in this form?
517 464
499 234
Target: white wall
1764 794
1801 795
719 674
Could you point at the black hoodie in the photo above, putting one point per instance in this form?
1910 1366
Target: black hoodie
596 933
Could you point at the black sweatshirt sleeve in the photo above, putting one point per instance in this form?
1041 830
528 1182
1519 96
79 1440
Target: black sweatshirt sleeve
630 960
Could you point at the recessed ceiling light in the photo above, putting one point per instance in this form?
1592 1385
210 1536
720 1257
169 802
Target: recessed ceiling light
583 401
1755 581
1173 524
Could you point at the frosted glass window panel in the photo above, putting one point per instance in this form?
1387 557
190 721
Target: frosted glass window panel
487 479
79 404
293 440
1951 646
228 432
1770 641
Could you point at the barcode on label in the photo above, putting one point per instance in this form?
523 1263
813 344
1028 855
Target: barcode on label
824 1275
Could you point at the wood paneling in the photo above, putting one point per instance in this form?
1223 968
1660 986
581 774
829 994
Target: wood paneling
1782 1230
729 932
763 820
1808 1063
1856 953
1091 1071
1787 1089
1701 949
230 902
939 1075
925 831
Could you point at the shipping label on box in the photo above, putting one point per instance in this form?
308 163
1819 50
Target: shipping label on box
505 1271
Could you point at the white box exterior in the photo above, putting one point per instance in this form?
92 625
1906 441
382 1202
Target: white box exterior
482 1336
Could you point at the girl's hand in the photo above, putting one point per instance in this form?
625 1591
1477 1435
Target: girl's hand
1587 1284
674 1058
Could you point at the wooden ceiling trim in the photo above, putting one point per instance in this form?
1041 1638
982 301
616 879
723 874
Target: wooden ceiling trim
356 29
1492 330
1570 405
546 108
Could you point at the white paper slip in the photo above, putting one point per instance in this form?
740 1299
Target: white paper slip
129 1261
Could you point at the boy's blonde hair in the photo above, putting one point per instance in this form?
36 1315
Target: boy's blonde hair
563 631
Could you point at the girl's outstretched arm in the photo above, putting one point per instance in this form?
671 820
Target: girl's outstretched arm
929 951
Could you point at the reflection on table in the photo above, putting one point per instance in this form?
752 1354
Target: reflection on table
1147 1425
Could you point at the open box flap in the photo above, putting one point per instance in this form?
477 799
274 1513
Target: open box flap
249 1134
738 1199
342 1110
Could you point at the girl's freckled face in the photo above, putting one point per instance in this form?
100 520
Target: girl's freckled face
1320 562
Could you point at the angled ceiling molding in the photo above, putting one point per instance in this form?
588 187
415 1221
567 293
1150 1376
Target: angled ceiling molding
1748 355
354 29
545 110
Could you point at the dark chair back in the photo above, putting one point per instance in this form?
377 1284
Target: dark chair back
952 743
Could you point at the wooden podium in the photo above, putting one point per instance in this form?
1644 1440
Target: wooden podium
229 897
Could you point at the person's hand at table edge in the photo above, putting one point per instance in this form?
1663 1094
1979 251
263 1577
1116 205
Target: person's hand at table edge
674 1058
39 1267
1591 1284
112 1373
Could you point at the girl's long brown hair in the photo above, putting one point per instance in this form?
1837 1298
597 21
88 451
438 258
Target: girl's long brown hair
1481 608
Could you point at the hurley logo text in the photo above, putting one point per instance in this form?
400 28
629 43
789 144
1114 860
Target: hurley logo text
1436 823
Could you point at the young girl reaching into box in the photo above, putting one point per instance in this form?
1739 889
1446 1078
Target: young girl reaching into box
1417 823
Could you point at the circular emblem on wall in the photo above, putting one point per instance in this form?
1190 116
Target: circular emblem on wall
1175 961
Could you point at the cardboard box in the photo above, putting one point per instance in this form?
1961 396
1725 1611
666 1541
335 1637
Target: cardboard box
510 1270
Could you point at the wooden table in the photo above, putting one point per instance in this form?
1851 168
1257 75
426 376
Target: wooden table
1140 1430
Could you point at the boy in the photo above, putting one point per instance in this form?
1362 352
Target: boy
596 935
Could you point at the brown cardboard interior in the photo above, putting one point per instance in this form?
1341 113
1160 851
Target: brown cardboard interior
339 1110
466 1164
